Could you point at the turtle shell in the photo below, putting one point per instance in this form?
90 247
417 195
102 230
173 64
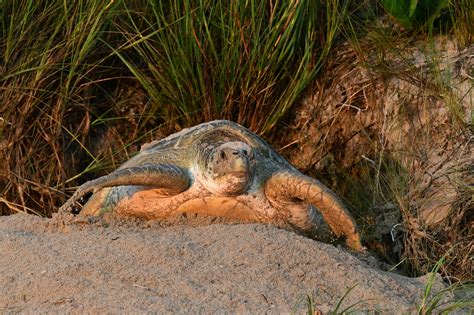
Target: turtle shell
181 148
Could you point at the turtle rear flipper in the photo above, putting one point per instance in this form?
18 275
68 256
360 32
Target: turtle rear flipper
290 188
170 178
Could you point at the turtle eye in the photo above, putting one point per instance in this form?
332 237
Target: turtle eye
223 156
244 152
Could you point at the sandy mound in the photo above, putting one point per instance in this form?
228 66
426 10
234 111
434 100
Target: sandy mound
132 267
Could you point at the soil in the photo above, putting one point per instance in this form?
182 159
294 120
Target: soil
193 264
392 134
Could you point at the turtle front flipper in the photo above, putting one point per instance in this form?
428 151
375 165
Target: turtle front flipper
170 178
287 188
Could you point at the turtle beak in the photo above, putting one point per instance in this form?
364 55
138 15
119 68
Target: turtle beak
239 165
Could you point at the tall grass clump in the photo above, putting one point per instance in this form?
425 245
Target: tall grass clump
50 59
248 61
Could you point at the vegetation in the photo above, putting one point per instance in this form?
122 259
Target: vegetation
83 82
426 171
64 65
415 13
52 67
438 303
246 61
336 309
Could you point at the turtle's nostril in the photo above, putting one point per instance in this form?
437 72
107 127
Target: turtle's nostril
244 152
223 156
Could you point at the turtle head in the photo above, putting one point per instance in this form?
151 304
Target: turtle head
229 168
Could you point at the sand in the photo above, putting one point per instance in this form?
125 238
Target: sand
116 266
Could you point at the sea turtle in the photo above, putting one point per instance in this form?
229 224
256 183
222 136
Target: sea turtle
221 169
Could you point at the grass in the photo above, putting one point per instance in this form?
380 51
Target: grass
337 308
415 13
83 82
50 60
390 132
412 162
246 61
432 303
445 301
456 297
64 65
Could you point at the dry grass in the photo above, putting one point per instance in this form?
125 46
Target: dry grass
391 130
419 149
47 83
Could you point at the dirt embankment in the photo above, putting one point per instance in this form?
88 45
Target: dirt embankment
118 266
